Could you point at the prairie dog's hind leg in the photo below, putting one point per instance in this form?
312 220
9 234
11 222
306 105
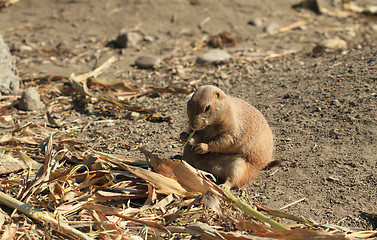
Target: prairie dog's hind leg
234 170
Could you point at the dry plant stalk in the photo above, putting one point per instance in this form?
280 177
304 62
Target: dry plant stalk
254 213
42 216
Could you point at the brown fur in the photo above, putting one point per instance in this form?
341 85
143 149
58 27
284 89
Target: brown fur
232 139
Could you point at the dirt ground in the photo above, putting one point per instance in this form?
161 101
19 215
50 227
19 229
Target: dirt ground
322 108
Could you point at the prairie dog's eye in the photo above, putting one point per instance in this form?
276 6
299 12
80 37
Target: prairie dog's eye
207 108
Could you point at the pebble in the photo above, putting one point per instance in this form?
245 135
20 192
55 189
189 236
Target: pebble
149 38
133 115
213 56
30 100
9 80
374 27
179 70
336 103
330 45
334 43
147 62
25 48
129 39
271 27
258 22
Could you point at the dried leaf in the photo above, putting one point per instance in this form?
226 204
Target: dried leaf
163 184
51 120
132 190
3 216
10 231
98 71
30 163
109 231
250 226
9 139
116 212
9 164
6 118
114 85
182 172
46 170
223 39
363 234
131 161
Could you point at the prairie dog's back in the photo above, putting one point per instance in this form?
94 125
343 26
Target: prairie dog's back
253 129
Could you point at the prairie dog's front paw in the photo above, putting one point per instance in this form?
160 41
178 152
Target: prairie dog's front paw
201 148
185 137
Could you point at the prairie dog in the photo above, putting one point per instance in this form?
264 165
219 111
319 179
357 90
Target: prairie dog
232 140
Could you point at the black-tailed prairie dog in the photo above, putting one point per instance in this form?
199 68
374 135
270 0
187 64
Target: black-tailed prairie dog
232 139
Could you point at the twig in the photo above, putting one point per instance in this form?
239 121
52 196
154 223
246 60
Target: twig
254 213
95 72
275 55
286 206
39 215
205 20
288 28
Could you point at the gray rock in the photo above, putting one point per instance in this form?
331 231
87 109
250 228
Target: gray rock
9 80
258 22
147 61
271 27
129 39
30 100
213 56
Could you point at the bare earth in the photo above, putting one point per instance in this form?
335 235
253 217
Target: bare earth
323 109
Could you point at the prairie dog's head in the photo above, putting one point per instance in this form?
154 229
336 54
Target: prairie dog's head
205 106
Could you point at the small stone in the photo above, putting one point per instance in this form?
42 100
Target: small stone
147 62
213 56
25 48
336 102
330 45
30 100
149 38
335 43
258 22
129 39
314 5
351 33
271 27
179 70
374 27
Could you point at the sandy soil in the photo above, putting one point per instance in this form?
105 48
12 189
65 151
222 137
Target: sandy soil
322 108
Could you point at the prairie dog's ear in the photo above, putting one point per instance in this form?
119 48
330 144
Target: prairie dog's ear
219 94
